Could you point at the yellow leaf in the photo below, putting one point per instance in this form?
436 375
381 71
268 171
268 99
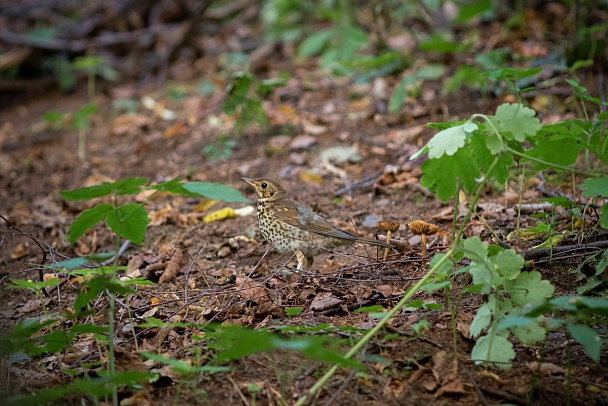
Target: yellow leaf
225 213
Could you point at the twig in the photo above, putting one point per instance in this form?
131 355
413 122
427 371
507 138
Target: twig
480 395
545 252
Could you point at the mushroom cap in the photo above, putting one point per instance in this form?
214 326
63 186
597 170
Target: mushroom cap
422 227
389 226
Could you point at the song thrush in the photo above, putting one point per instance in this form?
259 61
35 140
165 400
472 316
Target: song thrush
292 228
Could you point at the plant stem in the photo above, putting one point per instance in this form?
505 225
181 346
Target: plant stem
112 359
367 337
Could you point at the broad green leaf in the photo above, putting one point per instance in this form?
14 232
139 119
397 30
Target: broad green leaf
517 119
595 187
129 221
530 333
489 349
469 10
588 338
529 288
121 187
482 318
441 175
556 149
482 150
449 140
512 74
431 71
88 219
314 44
215 191
482 277
476 250
604 217
400 93
78 262
508 263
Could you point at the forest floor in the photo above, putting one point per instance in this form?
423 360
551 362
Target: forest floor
221 278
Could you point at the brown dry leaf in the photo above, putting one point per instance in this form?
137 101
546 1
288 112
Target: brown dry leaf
324 300
360 105
546 368
361 291
19 251
175 130
248 289
313 129
130 123
283 114
463 324
96 178
329 266
387 291
444 370
172 267
303 141
159 217
454 387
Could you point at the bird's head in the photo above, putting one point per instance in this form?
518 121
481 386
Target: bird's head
267 190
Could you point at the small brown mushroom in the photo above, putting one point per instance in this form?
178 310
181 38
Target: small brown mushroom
423 229
389 227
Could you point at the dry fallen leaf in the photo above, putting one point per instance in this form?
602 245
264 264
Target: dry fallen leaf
19 251
324 300
172 267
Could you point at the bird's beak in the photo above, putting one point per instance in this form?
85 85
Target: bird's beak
248 181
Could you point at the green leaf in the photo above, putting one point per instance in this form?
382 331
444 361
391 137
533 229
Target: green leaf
441 175
555 149
588 338
595 187
129 221
449 140
476 250
513 75
489 349
121 187
87 219
518 120
314 44
530 333
215 191
484 154
509 263
293 311
470 10
431 71
529 288
483 317
78 262
400 94
604 217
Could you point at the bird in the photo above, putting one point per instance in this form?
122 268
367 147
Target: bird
293 228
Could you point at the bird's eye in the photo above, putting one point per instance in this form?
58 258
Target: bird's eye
264 185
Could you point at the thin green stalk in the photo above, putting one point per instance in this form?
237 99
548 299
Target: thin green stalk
367 337
112 359
82 138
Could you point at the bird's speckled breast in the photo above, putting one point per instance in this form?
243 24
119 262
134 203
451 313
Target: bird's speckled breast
287 239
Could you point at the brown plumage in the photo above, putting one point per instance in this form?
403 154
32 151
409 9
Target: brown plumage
291 227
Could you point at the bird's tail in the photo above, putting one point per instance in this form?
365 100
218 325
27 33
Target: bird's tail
378 243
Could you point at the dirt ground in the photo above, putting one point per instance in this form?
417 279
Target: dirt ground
221 260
